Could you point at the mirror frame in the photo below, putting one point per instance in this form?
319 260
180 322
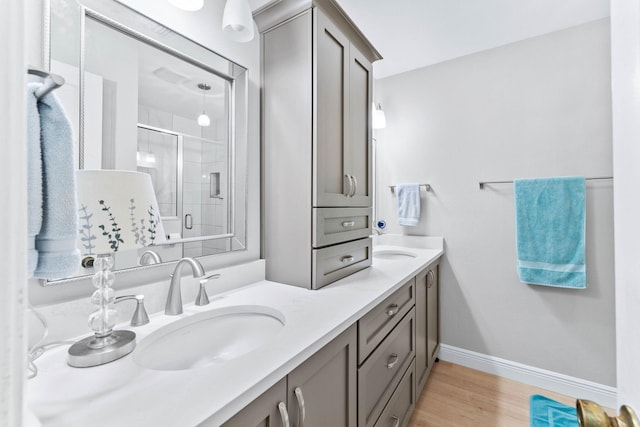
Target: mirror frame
124 19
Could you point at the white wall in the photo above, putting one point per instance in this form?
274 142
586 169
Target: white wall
536 108
625 70
13 187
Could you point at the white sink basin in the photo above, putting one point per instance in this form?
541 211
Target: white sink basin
393 254
209 338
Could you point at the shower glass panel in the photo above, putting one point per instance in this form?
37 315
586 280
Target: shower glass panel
157 155
191 179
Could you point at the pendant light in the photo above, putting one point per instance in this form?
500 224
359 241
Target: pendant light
237 20
188 5
203 119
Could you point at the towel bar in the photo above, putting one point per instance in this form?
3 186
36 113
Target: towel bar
427 187
51 81
483 183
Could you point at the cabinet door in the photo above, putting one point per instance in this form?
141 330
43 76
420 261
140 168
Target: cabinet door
331 88
422 359
433 307
268 410
358 155
322 391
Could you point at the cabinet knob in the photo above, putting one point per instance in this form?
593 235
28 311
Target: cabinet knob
392 310
347 259
393 360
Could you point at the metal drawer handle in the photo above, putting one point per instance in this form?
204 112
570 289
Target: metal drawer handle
348 187
355 186
283 414
301 409
396 421
347 259
393 310
393 360
347 224
430 276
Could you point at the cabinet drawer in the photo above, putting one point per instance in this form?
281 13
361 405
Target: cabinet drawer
335 225
400 407
381 373
336 262
376 324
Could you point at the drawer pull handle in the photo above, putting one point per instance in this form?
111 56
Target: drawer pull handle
348 182
347 259
430 278
396 421
393 360
355 186
301 408
283 414
393 310
347 224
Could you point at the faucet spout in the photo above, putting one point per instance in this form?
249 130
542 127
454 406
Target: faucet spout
149 257
174 298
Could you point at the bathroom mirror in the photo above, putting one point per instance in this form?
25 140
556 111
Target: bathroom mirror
144 98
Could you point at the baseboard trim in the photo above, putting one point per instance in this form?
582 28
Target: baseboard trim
602 394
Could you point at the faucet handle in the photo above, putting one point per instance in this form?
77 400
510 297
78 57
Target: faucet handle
140 316
203 298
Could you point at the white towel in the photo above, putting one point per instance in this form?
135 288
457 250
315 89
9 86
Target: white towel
408 204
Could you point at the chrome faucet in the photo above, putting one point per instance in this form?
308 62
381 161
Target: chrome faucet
149 257
174 298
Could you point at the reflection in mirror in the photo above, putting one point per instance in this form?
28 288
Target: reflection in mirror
153 101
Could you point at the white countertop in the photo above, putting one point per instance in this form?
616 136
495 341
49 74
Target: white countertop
121 393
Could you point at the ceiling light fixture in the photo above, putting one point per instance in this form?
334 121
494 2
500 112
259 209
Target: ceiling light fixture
203 119
188 5
379 119
237 20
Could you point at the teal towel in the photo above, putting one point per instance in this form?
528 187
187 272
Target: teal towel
550 231
58 255
545 412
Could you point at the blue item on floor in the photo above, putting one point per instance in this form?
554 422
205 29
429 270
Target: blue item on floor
545 412
550 231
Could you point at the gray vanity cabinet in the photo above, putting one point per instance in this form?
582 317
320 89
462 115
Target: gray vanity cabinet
323 388
386 341
317 142
343 87
268 410
427 324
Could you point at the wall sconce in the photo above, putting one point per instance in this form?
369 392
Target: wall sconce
188 5
379 119
237 20
203 119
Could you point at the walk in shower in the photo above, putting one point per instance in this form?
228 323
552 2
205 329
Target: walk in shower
191 179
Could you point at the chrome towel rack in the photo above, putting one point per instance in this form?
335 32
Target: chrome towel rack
483 183
426 187
51 81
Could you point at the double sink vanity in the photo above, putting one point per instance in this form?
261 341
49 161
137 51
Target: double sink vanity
356 352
